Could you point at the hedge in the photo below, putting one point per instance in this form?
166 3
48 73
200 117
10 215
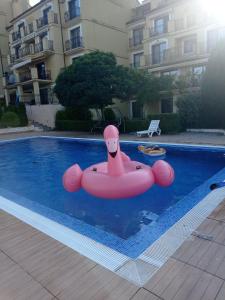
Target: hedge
10 119
71 125
19 110
169 123
74 113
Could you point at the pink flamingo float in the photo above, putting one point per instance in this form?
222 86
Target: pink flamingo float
120 177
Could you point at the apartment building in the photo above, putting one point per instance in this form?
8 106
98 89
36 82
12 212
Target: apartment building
172 37
8 9
47 37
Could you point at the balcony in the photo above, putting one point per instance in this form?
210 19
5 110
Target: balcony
155 31
29 29
135 43
41 22
25 76
176 55
32 49
16 35
46 75
140 12
9 79
71 14
74 43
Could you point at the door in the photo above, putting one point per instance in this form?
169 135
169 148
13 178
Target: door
158 53
41 70
75 38
45 15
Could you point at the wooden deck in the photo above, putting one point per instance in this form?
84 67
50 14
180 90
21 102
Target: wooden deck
34 266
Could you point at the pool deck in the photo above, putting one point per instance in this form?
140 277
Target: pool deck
34 266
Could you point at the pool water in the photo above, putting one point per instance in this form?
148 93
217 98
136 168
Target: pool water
31 174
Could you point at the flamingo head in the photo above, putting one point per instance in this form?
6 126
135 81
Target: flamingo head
111 136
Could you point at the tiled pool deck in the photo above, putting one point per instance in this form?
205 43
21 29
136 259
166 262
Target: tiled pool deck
35 266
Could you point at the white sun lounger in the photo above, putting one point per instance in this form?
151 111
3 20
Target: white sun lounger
153 128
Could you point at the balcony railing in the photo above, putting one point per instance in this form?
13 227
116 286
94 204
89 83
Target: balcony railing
27 50
10 78
16 35
74 43
25 76
135 42
42 22
29 29
71 14
177 54
40 47
32 49
158 30
45 75
140 12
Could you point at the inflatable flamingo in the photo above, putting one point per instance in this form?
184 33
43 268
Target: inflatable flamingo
120 177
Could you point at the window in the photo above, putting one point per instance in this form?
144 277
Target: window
137 36
45 15
174 73
166 105
137 110
189 46
214 36
191 20
17 51
137 60
161 25
74 8
158 53
198 70
75 37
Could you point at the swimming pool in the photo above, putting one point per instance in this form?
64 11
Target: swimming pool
31 172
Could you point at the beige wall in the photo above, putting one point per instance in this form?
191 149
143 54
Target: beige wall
43 114
103 27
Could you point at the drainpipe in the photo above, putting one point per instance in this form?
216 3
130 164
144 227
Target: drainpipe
61 28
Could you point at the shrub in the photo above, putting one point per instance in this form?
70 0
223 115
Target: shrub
71 125
136 125
20 110
189 107
10 119
109 114
169 123
74 113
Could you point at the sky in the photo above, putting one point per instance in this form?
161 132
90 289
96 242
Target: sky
33 2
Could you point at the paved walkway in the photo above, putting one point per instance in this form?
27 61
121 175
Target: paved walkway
188 138
34 266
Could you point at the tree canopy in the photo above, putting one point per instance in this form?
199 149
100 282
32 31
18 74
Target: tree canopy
88 81
94 80
213 89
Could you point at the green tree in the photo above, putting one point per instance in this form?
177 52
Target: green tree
88 81
213 90
140 85
95 79
189 106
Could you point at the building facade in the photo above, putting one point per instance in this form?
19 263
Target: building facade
172 37
8 9
47 37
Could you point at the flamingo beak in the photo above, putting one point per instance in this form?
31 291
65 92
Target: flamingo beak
112 146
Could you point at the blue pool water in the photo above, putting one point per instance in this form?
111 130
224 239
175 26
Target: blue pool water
31 171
